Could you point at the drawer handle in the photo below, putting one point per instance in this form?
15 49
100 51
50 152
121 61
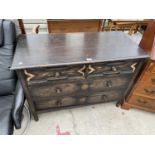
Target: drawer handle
90 69
58 90
133 66
58 103
149 91
82 70
109 84
29 75
153 81
57 74
140 101
104 97
114 68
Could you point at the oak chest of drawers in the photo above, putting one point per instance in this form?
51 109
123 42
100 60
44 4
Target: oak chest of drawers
69 69
142 95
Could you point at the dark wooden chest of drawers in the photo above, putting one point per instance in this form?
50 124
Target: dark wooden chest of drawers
142 95
79 84
62 70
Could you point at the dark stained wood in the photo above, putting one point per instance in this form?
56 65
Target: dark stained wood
70 69
21 26
44 50
72 25
22 79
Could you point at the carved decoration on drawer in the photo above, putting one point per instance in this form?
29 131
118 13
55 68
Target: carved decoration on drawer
29 75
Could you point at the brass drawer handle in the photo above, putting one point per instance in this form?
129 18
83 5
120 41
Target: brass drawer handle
82 70
140 101
133 66
29 75
149 91
90 69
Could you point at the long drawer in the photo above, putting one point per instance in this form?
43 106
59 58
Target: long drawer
147 90
65 101
78 87
142 102
79 71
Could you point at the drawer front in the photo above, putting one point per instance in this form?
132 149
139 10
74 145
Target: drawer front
142 102
81 100
50 90
78 87
148 77
55 103
146 90
80 71
110 83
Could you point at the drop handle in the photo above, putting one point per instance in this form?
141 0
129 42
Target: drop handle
109 84
58 103
140 101
58 90
153 81
149 91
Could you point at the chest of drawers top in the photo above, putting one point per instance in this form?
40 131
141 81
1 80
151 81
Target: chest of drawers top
48 50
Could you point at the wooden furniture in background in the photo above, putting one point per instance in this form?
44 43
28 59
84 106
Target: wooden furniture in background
124 24
21 26
73 25
70 69
142 95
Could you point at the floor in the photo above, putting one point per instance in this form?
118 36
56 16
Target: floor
97 119
94 119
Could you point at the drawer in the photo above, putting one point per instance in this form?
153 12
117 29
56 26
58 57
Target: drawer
101 97
104 97
78 87
80 71
107 83
146 90
55 103
142 102
151 67
50 90
148 77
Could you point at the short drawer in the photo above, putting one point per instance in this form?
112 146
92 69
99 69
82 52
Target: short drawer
110 83
55 103
146 90
141 102
50 89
